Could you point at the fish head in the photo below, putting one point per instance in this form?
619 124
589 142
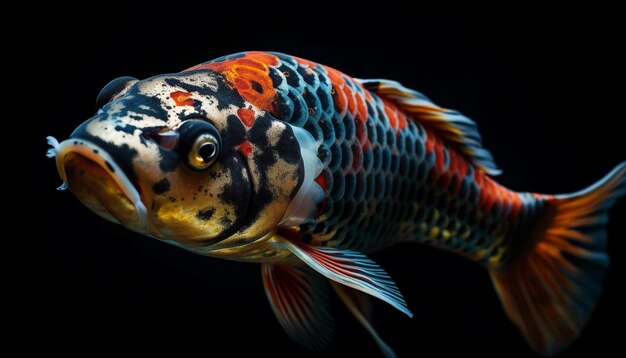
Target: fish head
186 159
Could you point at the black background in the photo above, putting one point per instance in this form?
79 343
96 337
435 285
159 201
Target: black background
545 86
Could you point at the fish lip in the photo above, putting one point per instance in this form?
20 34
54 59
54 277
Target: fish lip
100 156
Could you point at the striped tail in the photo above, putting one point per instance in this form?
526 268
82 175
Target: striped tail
551 291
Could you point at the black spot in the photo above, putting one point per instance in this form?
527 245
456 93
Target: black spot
162 186
256 86
169 160
126 129
205 214
234 133
95 151
110 166
226 221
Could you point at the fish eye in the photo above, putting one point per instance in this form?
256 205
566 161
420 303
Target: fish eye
203 153
199 143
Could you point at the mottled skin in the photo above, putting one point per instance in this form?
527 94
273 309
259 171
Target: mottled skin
231 204
386 177
270 158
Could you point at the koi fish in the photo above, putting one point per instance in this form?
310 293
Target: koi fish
269 158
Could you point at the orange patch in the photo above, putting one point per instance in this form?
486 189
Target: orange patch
246 115
249 75
397 119
490 191
336 79
429 143
440 157
361 113
305 62
245 148
361 135
182 98
391 115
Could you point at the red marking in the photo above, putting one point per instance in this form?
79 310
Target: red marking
335 76
516 205
402 122
490 191
246 115
245 148
391 116
440 157
339 97
462 166
243 71
450 177
397 119
182 98
351 101
430 141
361 135
361 113
322 181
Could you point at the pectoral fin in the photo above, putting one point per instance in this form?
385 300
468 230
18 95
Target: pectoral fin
350 268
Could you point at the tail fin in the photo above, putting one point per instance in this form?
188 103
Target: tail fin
550 292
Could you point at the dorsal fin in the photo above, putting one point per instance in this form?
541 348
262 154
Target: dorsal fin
454 128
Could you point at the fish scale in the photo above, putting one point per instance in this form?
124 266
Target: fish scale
399 183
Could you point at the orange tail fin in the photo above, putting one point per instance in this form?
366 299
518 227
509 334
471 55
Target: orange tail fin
551 291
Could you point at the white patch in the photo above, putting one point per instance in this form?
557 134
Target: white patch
54 143
158 87
274 132
304 204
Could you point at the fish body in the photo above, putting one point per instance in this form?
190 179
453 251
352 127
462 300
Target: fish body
270 158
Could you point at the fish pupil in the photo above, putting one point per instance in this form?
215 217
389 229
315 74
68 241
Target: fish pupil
207 151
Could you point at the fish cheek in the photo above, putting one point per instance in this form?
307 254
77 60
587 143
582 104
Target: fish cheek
200 208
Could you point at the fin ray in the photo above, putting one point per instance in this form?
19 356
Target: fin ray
551 291
457 130
352 269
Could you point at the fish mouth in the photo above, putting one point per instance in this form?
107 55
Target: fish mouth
99 182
